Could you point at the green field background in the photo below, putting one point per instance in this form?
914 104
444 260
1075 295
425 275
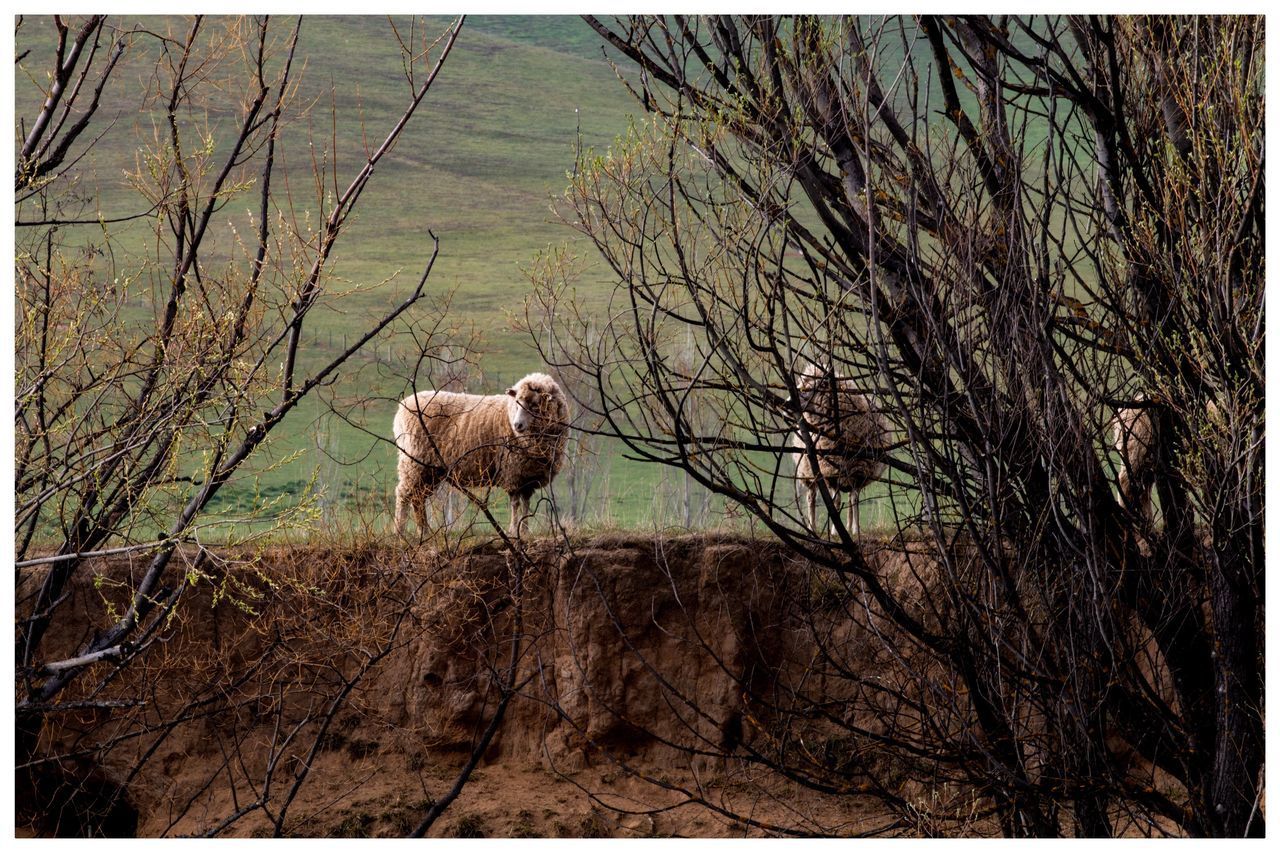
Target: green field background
480 166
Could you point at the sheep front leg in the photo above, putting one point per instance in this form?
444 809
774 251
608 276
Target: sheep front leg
519 515
1124 498
854 526
811 504
420 512
1135 495
835 512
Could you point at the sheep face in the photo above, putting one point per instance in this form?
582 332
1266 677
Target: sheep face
532 405
811 376
518 412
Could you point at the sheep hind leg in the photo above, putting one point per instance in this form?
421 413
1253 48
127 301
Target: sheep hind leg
855 526
400 513
406 497
412 493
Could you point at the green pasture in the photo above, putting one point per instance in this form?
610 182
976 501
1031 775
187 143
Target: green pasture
479 166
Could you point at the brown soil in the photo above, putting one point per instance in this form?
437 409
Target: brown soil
636 660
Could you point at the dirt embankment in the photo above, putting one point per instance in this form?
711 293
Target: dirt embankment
338 691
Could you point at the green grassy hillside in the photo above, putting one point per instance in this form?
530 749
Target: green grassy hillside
478 166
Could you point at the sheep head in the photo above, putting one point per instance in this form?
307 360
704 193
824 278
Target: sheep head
535 405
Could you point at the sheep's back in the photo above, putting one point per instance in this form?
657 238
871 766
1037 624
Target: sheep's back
850 439
464 435
1133 435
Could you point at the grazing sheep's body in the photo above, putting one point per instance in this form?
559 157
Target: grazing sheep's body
514 441
850 440
1134 436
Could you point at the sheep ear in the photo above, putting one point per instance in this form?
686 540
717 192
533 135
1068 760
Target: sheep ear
511 392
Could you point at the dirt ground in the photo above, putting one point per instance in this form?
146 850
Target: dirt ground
511 799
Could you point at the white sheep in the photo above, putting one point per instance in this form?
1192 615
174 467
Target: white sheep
515 441
1134 436
850 440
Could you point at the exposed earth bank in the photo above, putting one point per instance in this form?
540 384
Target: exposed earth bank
337 691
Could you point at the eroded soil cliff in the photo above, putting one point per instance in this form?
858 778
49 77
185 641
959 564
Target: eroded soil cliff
337 691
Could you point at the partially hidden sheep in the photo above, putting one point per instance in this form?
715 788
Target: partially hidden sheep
850 442
1134 433
515 441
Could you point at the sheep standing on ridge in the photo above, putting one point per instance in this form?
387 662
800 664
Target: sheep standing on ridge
515 441
1134 436
850 440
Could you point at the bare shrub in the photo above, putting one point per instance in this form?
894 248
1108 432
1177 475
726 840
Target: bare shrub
1003 229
